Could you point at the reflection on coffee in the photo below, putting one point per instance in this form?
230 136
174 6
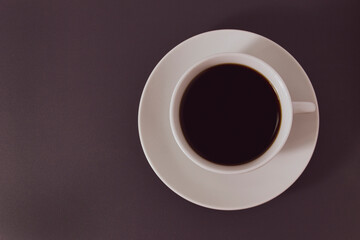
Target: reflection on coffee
230 114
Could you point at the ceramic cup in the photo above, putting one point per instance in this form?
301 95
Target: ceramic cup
288 108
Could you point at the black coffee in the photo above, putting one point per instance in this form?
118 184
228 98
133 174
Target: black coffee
230 114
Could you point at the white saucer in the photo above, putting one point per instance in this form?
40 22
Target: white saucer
205 188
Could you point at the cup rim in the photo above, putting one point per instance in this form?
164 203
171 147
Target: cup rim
256 64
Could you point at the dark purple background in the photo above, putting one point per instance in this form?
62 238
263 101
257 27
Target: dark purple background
71 77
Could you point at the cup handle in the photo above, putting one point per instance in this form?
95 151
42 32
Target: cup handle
303 107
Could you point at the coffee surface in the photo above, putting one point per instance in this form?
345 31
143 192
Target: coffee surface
230 114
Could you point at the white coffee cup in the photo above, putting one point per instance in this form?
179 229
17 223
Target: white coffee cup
288 108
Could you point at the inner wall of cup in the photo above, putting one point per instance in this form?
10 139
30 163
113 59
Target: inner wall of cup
188 77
